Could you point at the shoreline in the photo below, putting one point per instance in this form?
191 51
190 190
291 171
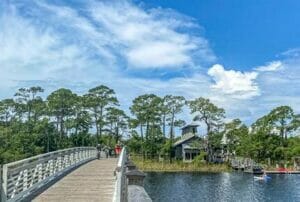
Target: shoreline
213 171
185 171
150 166
179 166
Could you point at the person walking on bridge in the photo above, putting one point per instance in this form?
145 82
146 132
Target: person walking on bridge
98 151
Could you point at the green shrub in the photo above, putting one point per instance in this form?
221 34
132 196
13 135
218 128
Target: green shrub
200 159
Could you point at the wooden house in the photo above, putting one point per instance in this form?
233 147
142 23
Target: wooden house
189 145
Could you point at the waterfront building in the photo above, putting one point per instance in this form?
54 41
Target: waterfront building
189 145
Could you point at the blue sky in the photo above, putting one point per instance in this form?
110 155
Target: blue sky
243 55
243 34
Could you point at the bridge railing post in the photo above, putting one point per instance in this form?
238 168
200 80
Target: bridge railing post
120 194
1 186
1 189
3 180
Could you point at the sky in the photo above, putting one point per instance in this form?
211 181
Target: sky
242 55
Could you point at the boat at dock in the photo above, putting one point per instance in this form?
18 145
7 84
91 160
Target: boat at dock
256 170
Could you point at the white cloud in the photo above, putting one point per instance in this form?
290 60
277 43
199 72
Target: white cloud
32 52
272 66
43 41
63 46
150 39
158 54
238 84
292 53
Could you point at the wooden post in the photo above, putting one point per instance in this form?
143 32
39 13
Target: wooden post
135 177
130 166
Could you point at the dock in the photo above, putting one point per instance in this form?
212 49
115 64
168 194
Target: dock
246 165
281 172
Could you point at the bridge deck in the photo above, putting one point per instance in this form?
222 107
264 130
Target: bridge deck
93 181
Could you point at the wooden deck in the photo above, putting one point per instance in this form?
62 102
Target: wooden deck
282 172
93 181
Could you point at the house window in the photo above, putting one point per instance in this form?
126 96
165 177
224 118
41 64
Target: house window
194 155
187 156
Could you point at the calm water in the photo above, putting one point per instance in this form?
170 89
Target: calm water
221 187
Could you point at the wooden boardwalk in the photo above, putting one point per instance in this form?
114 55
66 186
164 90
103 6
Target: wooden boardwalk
93 181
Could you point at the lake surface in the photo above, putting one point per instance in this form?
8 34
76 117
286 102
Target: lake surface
230 187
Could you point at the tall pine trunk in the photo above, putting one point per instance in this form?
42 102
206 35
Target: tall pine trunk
209 148
97 127
171 135
100 122
164 125
142 136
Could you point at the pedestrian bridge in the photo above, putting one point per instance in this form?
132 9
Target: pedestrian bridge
73 174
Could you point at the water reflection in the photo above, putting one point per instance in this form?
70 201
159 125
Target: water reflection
221 187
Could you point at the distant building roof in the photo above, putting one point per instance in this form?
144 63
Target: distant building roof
193 124
184 138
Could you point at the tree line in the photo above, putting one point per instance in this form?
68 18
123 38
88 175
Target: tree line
272 137
31 125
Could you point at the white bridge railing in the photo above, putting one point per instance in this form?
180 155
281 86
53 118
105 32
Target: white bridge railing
120 194
21 178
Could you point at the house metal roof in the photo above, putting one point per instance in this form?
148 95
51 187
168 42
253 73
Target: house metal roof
193 124
184 138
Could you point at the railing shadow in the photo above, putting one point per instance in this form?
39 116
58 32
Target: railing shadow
46 186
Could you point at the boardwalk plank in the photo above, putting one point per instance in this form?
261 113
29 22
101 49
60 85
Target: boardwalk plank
92 182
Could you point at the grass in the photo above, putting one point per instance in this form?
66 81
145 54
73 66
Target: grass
179 166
